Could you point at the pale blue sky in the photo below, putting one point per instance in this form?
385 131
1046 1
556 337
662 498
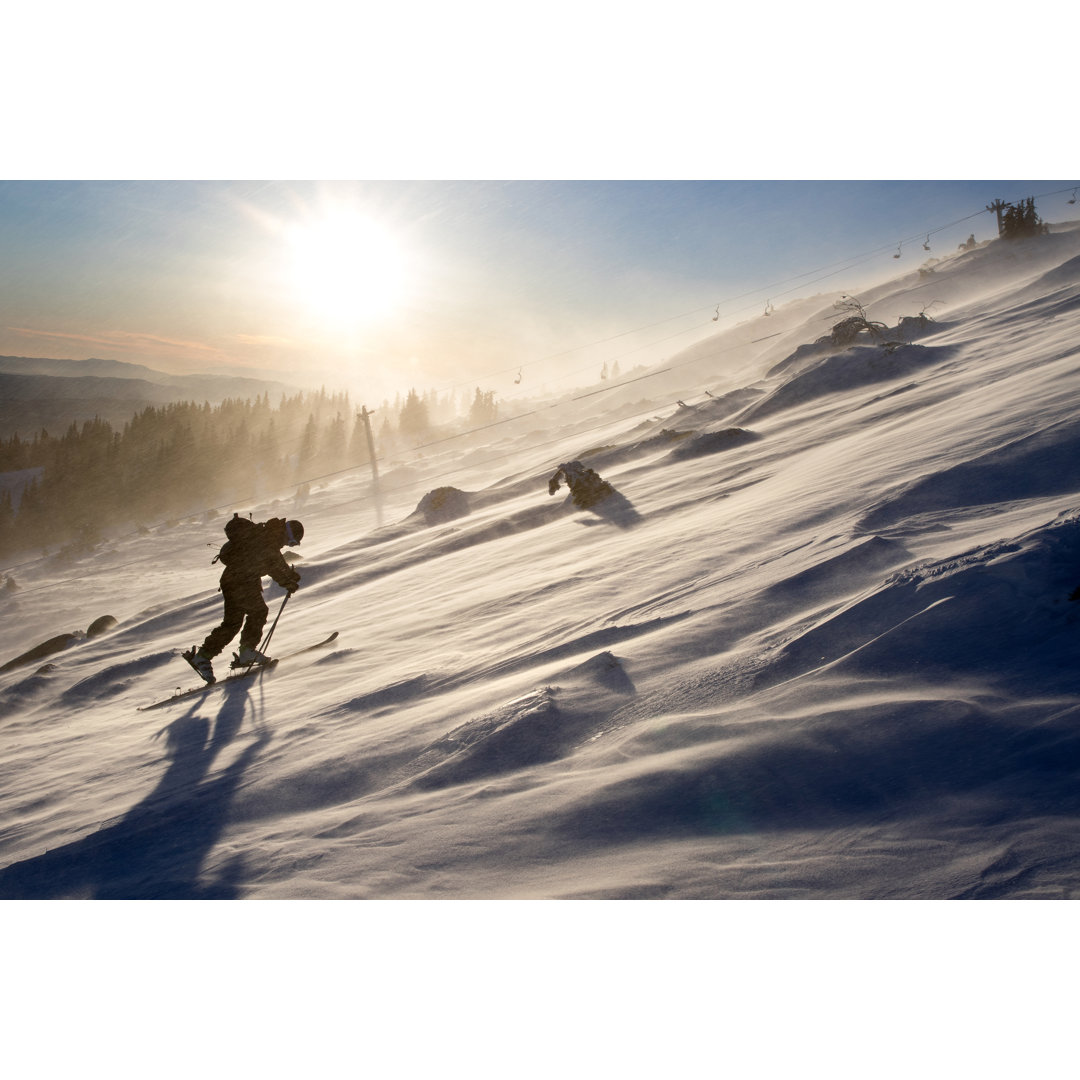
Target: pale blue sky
191 274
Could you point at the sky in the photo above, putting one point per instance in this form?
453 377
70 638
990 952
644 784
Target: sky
444 198
384 285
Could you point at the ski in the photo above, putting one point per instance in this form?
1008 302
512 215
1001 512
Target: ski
182 695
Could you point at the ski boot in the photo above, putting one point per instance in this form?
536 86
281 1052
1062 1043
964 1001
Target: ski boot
249 657
200 662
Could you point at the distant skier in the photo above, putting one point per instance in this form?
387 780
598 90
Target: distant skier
586 486
251 552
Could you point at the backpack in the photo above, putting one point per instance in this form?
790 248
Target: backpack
237 527
242 531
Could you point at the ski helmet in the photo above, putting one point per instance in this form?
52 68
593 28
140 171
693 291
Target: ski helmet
294 532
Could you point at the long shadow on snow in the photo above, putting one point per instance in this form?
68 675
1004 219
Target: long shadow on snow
155 851
616 510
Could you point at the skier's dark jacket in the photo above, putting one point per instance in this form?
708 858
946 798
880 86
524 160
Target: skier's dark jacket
254 551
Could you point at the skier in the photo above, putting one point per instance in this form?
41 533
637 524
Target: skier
251 551
586 486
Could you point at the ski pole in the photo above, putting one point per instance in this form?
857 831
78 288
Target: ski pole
270 633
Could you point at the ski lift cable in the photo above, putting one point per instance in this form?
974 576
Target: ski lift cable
842 265
696 326
857 261
727 300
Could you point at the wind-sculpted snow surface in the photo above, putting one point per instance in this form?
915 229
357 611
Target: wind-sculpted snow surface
711 442
1046 462
860 365
820 645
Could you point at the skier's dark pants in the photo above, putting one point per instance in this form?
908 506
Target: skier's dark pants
243 599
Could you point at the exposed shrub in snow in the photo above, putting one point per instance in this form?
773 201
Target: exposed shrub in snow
586 486
911 326
443 504
846 331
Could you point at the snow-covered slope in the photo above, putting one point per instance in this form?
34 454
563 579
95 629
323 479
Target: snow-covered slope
820 645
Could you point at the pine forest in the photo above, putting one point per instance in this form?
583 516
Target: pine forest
70 492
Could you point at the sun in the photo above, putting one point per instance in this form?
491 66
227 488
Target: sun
347 268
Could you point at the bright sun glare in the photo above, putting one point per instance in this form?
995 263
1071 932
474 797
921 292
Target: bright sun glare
347 268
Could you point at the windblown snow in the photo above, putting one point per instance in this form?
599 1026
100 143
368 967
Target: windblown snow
820 644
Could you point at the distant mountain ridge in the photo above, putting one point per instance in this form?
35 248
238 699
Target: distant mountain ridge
81 388
108 369
38 392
